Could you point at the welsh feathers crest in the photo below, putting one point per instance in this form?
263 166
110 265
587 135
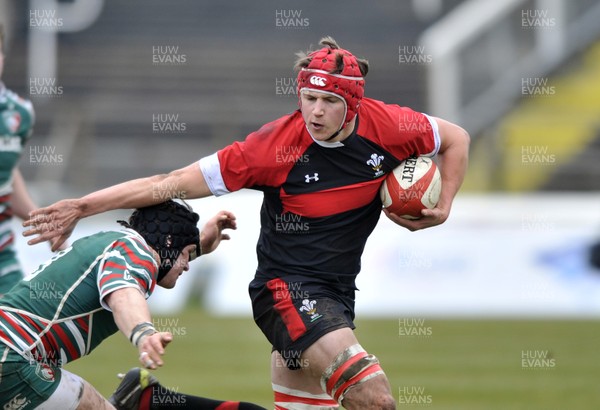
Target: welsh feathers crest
376 163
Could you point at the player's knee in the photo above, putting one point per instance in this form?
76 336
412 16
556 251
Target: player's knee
350 370
385 402
374 394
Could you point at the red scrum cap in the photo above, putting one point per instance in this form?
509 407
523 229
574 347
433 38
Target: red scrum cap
349 85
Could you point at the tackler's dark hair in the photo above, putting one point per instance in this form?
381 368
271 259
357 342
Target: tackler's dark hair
167 227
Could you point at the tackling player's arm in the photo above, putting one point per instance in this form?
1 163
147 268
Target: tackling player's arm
452 160
59 219
132 316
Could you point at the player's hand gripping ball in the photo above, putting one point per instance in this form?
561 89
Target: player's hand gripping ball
414 185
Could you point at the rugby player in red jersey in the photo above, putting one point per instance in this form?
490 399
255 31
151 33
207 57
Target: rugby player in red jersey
343 145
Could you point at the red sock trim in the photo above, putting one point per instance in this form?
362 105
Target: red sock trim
146 398
288 398
228 405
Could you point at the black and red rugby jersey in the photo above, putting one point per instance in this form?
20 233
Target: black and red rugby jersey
321 200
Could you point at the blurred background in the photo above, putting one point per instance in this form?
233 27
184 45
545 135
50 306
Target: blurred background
125 89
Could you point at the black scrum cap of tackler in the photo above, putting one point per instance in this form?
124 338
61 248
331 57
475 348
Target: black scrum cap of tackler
167 227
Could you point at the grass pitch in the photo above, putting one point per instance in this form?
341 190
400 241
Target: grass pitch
433 364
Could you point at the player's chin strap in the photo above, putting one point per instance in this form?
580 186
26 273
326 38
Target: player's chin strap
342 127
350 368
334 135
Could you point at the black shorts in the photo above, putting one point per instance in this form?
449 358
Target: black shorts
294 314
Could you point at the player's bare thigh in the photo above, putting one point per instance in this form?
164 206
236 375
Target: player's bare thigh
91 399
373 393
75 393
314 361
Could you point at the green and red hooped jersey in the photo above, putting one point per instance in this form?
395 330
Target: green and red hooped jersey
16 125
58 313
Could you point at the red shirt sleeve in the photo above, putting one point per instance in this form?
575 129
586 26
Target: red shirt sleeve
257 161
401 130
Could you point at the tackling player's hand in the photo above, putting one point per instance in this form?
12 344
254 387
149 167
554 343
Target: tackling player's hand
53 223
152 347
431 217
60 247
212 232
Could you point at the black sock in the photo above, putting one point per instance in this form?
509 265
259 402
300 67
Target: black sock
160 398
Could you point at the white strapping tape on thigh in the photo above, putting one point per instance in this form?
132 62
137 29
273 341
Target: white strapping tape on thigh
350 368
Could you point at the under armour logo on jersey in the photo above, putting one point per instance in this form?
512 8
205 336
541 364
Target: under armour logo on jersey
318 81
308 178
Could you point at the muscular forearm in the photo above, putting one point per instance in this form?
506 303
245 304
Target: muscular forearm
453 160
57 221
184 183
136 193
453 167
129 309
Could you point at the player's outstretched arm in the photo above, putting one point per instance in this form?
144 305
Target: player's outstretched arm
132 316
58 220
452 160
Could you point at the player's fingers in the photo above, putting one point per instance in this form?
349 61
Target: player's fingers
42 237
31 231
227 224
60 246
228 219
37 212
427 212
39 226
58 243
412 227
35 226
166 338
146 361
432 213
228 214
435 216
151 357
225 237
406 223
157 341
410 224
